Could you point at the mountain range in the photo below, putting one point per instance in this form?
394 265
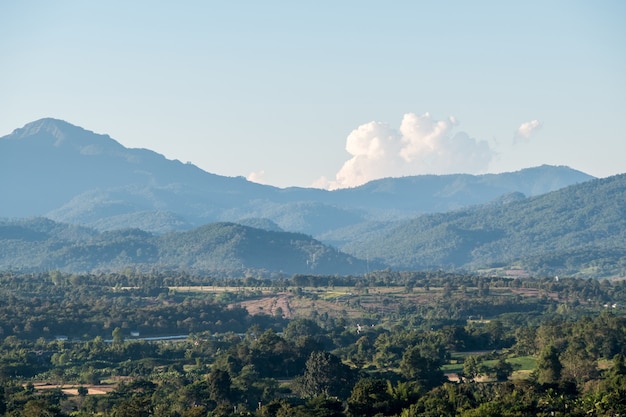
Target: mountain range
580 228
93 190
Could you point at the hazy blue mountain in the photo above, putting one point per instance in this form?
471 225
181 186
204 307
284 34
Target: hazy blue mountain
54 169
116 207
580 229
52 166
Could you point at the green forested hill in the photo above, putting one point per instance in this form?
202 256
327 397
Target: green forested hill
217 248
579 229
231 246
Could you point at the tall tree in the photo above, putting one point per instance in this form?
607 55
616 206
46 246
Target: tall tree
369 397
578 364
549 366
326 375
219 386
419 367
118 336
502 370
472 367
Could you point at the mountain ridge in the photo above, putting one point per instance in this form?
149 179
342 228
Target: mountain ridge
538 233
55 169
221 249
107 192
579 231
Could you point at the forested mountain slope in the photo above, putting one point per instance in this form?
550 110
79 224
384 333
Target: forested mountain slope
581 228
219 248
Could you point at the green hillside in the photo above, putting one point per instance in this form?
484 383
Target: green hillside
217 248
231 246
577 230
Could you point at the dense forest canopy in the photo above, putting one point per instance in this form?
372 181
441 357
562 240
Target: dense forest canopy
385 343
223 249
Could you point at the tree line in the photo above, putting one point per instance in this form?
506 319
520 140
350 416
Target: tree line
567 358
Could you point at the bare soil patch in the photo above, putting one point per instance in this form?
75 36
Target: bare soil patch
72 389
272 305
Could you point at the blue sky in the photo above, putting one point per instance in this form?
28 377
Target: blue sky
328 93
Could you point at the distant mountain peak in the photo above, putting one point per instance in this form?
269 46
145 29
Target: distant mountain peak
51 167
56 128
61 133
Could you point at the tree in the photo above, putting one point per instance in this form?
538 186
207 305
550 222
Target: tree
472 367
548 366
525 341
118 337
610 396
369 397
138 406
39 408
578 364
619 366
271 355
219 386
195 411
424 369
326 375
502 370
323 406
403 394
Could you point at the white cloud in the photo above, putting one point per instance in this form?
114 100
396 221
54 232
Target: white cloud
422 145
526 130
258 177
